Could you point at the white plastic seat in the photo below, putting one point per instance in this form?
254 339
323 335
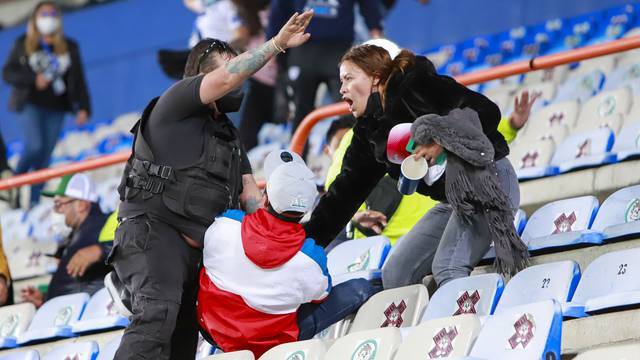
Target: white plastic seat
126 121
99 314
22 355
378 344
531 159
626 75
108 351
615 352
562 223
338 329
439 338
54 318
28 258
86 350
627 143
610 281
109 198
544 123
556 280
606 109
556 75
503 96
14 320
400 307
585 149
619 215
604 64
235 355
300 350
359 258
547 91
520 220
477 294
531 331
580 87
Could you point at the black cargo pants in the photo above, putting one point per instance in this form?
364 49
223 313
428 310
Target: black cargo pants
160 270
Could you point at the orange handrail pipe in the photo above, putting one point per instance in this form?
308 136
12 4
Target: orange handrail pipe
303 130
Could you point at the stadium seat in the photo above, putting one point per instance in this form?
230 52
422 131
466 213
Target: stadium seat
378 344
611 281
547 91
520 220
580 87
108 351
361 258
400 307
445 337
503 96
28 258
531 331
14 320
235 355
599 110
108 192
544 123
627 144
54 318
604 64
99 314
556 75
562 223
626 75
585 149
619 214
302 350
477 294
556 280
336 330
531 159
22 355
616 352
86 350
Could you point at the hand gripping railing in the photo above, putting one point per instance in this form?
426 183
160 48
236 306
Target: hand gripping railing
303 130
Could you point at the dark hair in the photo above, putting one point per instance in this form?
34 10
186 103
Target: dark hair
376 61
201 59
343 122
248 11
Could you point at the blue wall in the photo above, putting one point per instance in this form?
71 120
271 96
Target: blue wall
442 22
118 42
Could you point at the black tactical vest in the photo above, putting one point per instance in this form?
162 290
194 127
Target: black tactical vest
200 191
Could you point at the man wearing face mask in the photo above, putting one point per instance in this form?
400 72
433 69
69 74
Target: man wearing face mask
75 201
187 167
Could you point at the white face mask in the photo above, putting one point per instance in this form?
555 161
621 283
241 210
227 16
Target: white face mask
58 227
47 25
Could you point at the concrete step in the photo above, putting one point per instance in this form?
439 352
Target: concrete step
579 335
600 182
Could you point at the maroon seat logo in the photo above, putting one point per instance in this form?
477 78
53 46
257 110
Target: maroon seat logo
443 343
524 332
394 314
467 303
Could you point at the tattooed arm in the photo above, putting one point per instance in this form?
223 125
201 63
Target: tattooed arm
251 197
226 78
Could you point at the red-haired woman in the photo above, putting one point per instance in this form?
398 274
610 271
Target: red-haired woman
478 188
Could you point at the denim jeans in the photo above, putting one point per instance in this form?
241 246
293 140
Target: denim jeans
41 129
344 299
440 243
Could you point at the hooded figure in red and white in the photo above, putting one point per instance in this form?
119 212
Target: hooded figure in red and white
259 268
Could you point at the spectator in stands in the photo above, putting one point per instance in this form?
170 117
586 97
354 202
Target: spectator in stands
409 208
333 33
79 267
6 298
381 93
264 282
171 195
46 73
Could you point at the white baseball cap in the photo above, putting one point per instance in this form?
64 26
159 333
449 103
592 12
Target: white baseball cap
392 48
78 186
277 158
292 187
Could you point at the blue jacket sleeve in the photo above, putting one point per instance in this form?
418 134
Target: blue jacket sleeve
371 10
279 12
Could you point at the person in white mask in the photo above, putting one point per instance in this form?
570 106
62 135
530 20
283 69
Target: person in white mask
45 70
81 256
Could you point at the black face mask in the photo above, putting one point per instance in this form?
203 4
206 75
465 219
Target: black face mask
231 102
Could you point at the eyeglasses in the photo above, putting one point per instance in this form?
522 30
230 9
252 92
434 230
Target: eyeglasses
57 204
218 45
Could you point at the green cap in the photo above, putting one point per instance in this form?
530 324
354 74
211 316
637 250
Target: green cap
60 190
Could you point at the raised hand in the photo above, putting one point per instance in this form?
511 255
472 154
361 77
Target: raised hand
292 33
522 109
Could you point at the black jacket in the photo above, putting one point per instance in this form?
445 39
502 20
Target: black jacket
418 91
18 73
